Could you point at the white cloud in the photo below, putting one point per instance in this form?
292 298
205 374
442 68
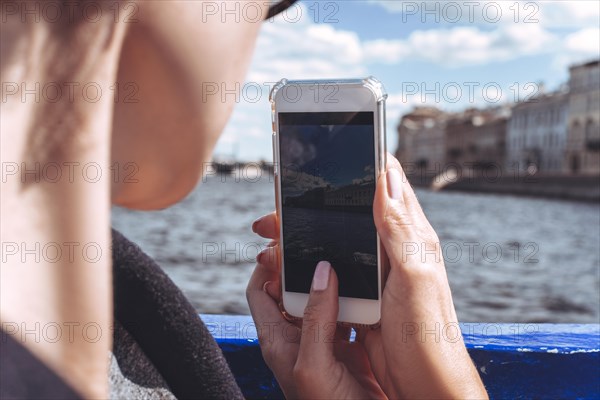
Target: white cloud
385 51
483 12
585 42
460 46
549 14
570 14
306 50
523 28
469 45
580 46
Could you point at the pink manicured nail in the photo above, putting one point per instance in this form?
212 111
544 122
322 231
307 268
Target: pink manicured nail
394 184
321 278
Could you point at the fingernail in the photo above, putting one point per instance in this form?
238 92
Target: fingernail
394 184
255 224
321 278
266 286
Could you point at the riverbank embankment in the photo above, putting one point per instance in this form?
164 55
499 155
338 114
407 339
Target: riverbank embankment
570 187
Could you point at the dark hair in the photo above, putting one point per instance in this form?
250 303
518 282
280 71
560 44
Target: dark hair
279 7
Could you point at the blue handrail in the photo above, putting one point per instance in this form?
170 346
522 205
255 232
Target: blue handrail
515 361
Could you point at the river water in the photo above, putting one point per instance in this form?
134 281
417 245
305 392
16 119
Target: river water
509 259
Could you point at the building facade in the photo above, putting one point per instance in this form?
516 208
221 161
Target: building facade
582 154
554 133
422 141
476 139
537 134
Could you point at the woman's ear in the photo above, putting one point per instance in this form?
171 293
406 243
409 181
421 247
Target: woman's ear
166 123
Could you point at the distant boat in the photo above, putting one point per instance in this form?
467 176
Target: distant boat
223 168
224 165
266 166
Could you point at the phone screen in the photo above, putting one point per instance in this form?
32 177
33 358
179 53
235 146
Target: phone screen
327 188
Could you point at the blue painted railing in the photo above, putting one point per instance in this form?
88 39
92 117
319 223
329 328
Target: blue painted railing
515 361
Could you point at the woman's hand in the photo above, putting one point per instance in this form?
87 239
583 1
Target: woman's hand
312 359
418 352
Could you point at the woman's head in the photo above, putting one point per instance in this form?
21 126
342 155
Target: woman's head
170 69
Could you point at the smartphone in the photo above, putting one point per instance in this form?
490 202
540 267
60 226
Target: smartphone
329 149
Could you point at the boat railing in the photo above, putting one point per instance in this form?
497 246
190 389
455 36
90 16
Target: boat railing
514 360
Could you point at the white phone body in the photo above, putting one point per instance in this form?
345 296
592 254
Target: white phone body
331 100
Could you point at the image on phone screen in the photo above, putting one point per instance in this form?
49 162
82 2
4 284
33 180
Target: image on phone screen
327 190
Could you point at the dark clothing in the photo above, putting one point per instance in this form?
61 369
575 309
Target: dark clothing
167 328
24 376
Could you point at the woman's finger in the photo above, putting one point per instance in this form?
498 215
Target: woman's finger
266 226
320 320
273 289
408 194
269 321
269 258
263 272
390 214
401 224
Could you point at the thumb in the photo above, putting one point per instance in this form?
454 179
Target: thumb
390 212
320 319
405 232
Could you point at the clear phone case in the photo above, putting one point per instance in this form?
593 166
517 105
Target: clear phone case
379 94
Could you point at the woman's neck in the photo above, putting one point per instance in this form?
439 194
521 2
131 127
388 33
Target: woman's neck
57 110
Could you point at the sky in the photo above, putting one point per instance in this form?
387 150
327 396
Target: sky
448 54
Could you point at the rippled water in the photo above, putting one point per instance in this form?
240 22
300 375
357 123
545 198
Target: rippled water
509 259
